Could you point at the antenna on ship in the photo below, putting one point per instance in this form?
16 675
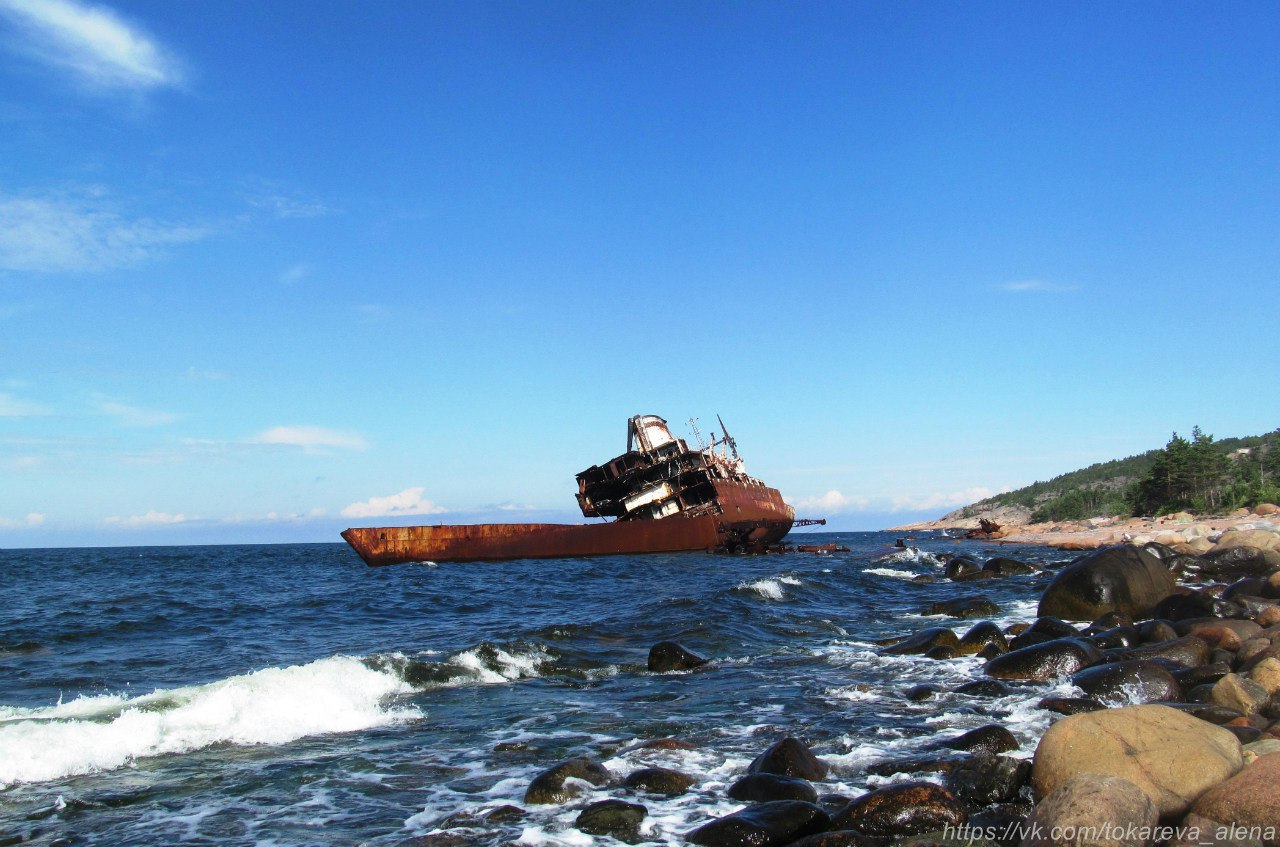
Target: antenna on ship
728 439
697 434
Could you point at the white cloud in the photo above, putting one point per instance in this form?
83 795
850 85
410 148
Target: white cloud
407 502
14 407
310 438
833 501
151 518
1023 285
938 500
93 43
50 235
35 519
294 275
289 207
132 415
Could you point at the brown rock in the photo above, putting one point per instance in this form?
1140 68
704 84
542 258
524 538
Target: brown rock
1219 637
907 808
1266 509
1121 578
1173 757
1260 538
551 786
1089 810
1267 674
1239 693
1269 616
790 757
1248 799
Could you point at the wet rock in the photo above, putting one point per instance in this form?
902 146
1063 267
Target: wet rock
1155 631
979 636
552 785
1201 674
922 692
1122 636
986 778
1189 650
614 818
923 642
1121 578
1109 620
1135 681
669 656
1211 712
659 781
765 787
1043 662
974 606
991 738
941 653
1239 693
990 651
790 757
1267 674
1194 604
983 688
907 808
838 838
664 744
1085 803
1043 629
1249 798
1070 705
974 577
1246 734
1172 757
1236 561
1004 566
961 566
763 825
505 814
1254 586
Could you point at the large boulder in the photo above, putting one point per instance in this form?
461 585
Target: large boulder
1090 810
659 781
1046 661
906 808
1248 799
1122 578
762 825
1173 757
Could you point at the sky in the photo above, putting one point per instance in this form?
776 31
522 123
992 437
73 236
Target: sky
269 270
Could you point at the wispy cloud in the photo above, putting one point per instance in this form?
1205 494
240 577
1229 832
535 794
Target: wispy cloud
286 207
151 518
128 415
93 43
33 519
1026 285
407 502
294 275
15 407
939 500
833 501
310 438
51 235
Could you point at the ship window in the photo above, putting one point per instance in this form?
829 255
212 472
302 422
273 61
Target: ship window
382 536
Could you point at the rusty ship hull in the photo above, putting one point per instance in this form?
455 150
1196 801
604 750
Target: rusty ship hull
754 517
662 495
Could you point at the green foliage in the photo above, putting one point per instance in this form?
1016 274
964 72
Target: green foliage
1202 475
1199 474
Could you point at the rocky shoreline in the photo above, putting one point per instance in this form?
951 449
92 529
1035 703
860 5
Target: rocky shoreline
1170 735
1198 533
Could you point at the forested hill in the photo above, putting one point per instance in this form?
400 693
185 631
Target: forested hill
1201 474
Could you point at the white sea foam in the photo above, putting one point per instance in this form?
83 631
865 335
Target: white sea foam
271 706
489 665
896 574
770 589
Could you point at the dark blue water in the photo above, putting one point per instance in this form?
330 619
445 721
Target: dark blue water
290 695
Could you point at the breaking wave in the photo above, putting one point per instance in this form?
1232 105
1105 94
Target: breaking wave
270 706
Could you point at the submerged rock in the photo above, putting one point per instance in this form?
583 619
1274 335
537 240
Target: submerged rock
551 786
923 641
974 606
763 825
659 781
669 656
765 787
790 757
907 808
614 818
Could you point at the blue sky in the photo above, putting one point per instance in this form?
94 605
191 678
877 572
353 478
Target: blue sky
268 270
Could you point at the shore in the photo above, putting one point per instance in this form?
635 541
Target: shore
1187 533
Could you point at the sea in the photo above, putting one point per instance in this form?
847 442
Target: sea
291 695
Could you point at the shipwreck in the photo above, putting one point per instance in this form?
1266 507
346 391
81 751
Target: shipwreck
660 496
